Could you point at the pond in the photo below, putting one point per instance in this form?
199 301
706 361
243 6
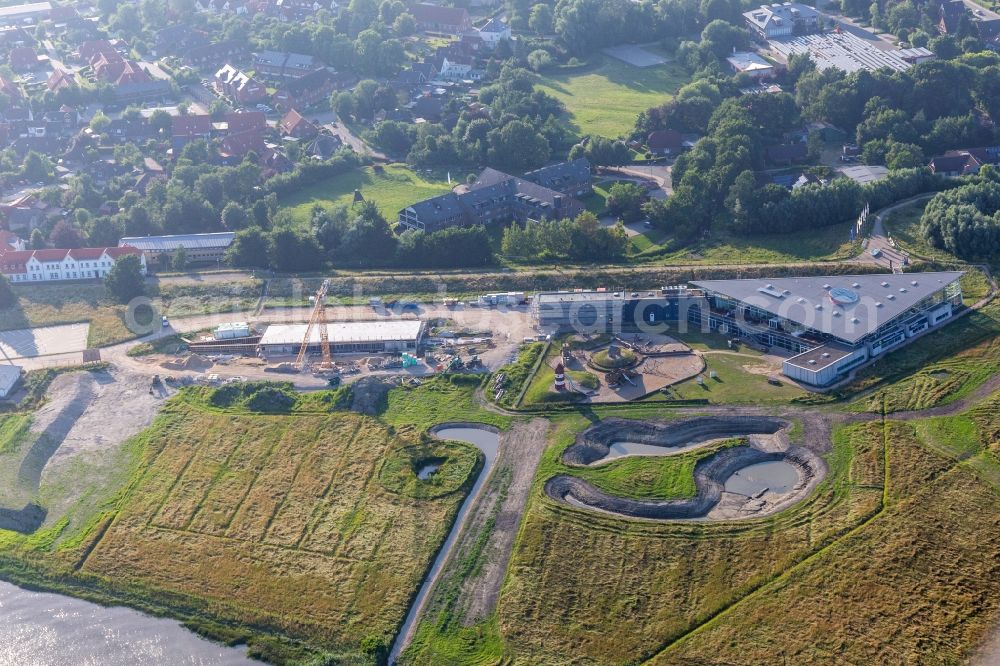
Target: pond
426 471
625 449
55 630
776 476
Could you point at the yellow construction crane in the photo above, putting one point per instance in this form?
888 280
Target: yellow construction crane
318 317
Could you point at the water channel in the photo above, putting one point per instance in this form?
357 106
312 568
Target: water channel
488 442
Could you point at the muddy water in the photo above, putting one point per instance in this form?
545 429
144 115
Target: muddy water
487 442
52 630
625 449
776 476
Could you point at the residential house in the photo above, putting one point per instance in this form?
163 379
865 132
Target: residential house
23 59
25 214
244 121
238 86
188 128
214 54
60 79
950 14
234 147
129 131
308 90
324 146
493 32
61 264
435 18
14 35
9 241
457 68
782 20
11 90
665 142
91 48
570 178
428 107
294 125
964 162
494 198
284 65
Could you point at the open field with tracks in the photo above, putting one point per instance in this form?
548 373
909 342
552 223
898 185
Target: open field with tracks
276 521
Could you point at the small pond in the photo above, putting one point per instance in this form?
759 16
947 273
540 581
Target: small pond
776 476
426 471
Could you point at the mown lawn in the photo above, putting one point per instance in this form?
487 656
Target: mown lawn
607 96
735 383
396 187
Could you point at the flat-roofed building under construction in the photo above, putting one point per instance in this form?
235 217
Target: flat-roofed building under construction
829 325
346 337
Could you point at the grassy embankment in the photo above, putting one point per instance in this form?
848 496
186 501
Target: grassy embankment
300 531
940 367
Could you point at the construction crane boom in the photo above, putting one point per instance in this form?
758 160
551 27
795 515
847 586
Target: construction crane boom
317 318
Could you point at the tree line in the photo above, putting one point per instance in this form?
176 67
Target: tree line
965 221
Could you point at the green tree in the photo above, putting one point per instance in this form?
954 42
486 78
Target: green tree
65 235
249 249
235 216
539 60
625 201
124 281
540 20
518 146
180 260
37 240
8 298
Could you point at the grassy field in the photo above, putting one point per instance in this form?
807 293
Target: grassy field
740 379
915 585
52 304
903 225
396 187
607 96
830 243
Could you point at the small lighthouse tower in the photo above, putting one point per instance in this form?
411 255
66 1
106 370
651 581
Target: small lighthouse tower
560 382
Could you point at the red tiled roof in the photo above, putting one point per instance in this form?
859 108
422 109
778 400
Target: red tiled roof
115 252
50 254
86 253
191 125
248 120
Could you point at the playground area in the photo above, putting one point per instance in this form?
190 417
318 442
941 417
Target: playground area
627 368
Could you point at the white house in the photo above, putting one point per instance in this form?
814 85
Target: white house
747 62
50 265
493 32
457 70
